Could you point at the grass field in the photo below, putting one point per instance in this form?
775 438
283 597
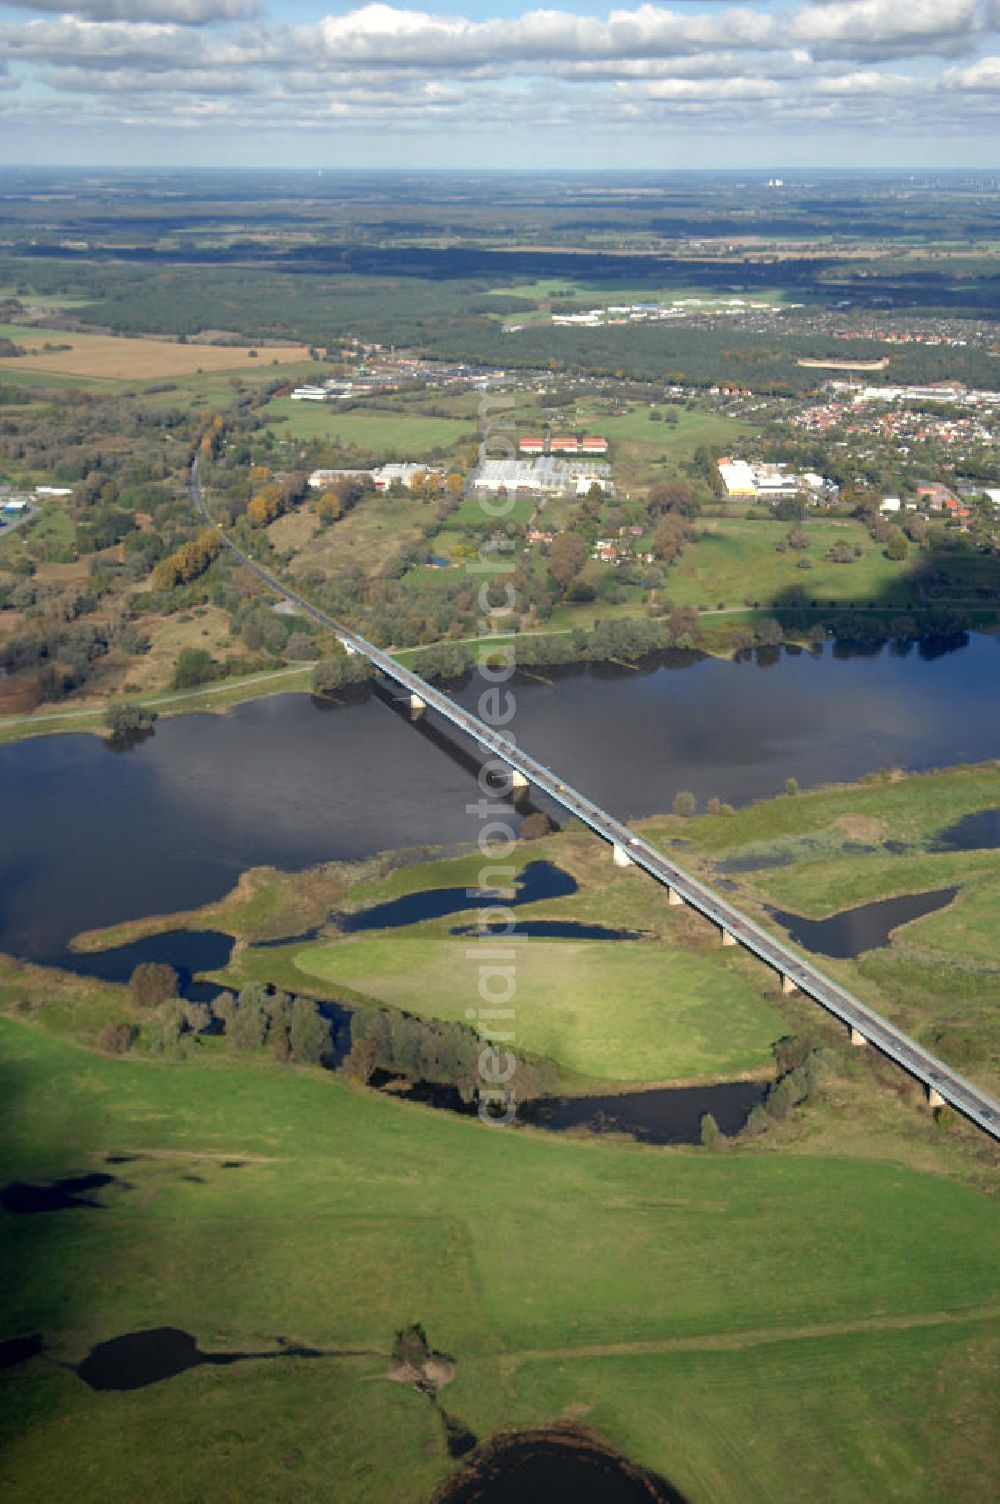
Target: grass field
407 435
733 558
753 1326
111 358
622 1011
940 977
691 429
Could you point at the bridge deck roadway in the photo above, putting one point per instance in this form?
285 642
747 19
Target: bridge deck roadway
965 1097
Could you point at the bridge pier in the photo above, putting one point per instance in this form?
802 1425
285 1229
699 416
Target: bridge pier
621 856
727 938
518 783
787 985
417 706
857 1038
934 1098
674 899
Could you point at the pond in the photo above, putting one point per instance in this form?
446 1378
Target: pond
867 927
549 929
976 832
139 1359
550 1467
187 951
94 835
536 881
665 1115
661 1115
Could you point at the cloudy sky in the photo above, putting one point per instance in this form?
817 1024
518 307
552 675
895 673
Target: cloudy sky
493 83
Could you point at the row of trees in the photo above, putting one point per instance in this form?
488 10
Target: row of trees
802 1067
187 562
259 1016
432 1050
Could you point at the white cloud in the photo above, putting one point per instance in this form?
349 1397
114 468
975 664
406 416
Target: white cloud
186 12
733 66
984 75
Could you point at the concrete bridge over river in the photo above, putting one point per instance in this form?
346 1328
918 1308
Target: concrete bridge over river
793 971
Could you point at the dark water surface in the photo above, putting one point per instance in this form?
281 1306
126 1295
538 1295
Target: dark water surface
187 951
15 1350
142 1358
540 1469
549 929
94 835
667 1115
536 881
976 832
69 1194
852 931
664 1115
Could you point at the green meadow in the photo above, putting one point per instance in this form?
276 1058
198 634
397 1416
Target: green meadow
751 1325
624 1011
410 436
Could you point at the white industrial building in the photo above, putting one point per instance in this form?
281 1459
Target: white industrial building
545 476
381 477
745 480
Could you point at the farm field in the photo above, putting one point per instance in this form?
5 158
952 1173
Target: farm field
683 1316
410 436
111 358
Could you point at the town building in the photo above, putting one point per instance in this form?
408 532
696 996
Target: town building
381 477
546 475
745 480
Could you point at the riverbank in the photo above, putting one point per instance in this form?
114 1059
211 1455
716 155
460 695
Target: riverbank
722 633
656 1001
666 1296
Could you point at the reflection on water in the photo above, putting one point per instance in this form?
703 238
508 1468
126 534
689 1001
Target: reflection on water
669 1115
664 1115
287 782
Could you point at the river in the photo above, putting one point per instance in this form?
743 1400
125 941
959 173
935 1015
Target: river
94 835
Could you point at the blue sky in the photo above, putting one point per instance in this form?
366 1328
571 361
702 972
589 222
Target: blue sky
494 83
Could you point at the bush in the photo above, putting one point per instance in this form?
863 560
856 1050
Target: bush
309 1035
124 718
685 803
194 666
152 983
331 674
116 1039
535 826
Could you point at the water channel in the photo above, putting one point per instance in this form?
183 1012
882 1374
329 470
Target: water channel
94 835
